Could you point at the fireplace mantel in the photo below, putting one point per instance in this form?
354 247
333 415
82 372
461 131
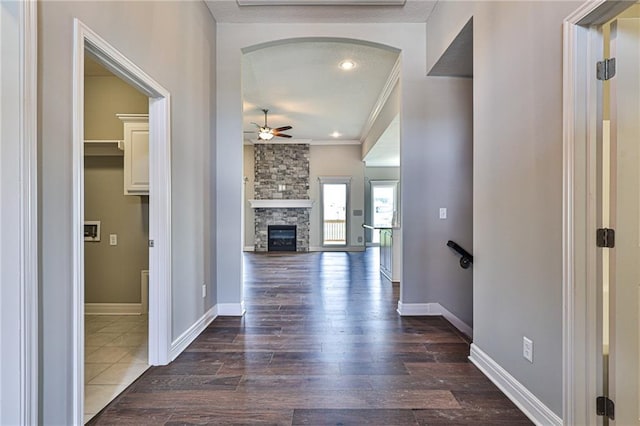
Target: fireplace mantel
281 204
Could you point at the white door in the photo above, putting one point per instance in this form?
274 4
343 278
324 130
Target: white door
624 259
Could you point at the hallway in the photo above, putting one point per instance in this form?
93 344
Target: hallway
320 344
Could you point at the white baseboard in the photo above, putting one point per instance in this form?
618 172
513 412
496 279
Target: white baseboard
185 339
539 413
432 309
339 248
249 248
231 309
112 308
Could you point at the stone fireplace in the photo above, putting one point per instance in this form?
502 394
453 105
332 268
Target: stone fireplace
281 191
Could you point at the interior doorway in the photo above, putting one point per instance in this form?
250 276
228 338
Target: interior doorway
159 220
116 235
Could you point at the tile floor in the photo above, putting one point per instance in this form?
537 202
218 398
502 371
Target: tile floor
115 351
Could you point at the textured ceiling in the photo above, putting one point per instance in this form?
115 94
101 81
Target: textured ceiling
302 85
228 11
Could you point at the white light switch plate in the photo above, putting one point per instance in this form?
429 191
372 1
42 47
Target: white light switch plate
443 212
113 239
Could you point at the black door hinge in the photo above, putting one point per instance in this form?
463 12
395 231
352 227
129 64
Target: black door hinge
606 237
606 70
605 407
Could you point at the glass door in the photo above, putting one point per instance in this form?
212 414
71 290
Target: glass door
383 206
334 213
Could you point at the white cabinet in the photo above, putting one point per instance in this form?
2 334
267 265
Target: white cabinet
136 153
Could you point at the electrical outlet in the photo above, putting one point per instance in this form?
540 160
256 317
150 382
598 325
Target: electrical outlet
113 239
359 239
527 349
204 290
443 212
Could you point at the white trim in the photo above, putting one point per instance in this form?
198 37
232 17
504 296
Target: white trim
29 205
144 291
337 248
231 309
433 309
186 338
19 200
113 308
281 204
392 80
249 248
582 47
535 409
159 202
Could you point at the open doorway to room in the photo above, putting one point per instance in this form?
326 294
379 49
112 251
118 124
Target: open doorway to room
146 144
116 235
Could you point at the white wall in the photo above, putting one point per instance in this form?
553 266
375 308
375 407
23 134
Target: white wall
335 160
169 41
517 184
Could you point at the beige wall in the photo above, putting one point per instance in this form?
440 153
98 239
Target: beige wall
336 160
106 96
175 43
112 273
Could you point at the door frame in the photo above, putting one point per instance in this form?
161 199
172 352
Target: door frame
159 201
582 48
19 220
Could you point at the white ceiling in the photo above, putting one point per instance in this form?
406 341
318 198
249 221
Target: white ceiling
386 152
300 82
303 86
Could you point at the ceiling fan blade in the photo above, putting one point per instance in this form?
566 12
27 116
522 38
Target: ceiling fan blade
282 135
282 129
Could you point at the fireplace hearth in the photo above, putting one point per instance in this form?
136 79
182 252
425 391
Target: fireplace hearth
281 238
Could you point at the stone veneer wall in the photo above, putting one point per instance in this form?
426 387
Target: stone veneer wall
281 164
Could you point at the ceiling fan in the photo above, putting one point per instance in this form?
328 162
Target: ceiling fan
266 133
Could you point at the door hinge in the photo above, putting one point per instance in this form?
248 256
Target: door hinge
606 70
151 243
606 238
605 407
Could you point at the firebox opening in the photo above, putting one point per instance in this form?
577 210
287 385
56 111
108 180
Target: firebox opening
281 237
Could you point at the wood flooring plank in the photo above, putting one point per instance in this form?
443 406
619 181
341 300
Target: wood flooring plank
321 343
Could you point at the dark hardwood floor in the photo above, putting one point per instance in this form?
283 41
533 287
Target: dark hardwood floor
321 344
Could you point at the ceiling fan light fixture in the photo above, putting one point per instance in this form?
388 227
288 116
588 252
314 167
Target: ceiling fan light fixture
265 135
347 65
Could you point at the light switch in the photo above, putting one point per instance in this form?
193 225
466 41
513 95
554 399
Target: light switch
443 212
113 239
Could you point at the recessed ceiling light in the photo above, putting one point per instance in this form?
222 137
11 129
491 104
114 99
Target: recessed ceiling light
336 134
347 65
